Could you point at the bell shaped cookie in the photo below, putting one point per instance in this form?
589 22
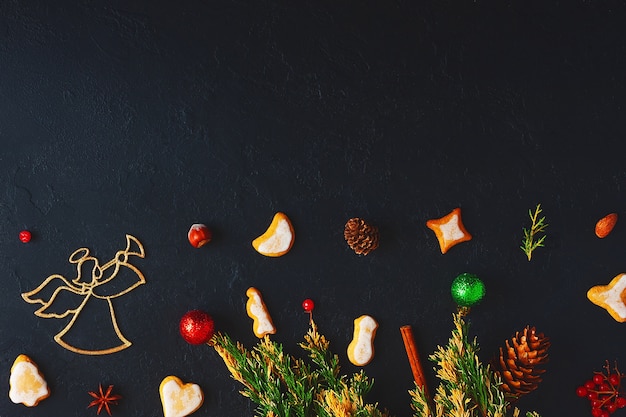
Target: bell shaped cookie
28 385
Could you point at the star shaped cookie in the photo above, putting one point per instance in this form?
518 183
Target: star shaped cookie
449 230
611 297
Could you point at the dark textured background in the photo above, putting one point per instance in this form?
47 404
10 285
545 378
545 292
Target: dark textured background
145 117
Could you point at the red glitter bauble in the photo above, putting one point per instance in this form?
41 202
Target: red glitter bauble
197 327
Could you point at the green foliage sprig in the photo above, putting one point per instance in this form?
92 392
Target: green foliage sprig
538 225
284 386
467 388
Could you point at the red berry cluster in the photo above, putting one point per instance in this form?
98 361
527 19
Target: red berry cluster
603 392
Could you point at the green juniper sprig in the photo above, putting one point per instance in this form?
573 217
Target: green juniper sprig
284 386
530 242
467 387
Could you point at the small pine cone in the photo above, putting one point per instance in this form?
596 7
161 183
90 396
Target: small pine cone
518 363
361 237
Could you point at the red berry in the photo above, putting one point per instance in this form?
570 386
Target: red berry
196 327
614 379
604 387
596 403
598 379
611 407
25 236
308 305
592 396
596 412
620 402
604 413
590 384
581 391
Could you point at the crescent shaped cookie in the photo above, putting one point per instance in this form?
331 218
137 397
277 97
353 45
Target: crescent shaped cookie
28 385
277 239
611 297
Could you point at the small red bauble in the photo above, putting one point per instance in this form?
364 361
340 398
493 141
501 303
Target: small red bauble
199 235
25 236
196 327
308 305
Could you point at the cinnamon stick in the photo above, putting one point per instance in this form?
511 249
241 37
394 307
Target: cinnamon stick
414 359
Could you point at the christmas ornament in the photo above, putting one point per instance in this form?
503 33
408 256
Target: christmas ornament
519 363
361 348
538 225
255 307
610 298
199 235
178 399
103 399
467 290
27 384
196 327
449 230
277 239
605 225
93 283
361 237
25 236
603 391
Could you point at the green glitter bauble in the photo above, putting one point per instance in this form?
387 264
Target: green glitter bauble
467 289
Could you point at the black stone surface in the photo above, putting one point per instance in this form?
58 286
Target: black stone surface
145 117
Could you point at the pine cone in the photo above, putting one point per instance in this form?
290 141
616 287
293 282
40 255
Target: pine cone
518 363
361 237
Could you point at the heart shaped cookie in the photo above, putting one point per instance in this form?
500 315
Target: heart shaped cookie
28 385
178 399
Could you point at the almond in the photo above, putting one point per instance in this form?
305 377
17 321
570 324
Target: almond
605 225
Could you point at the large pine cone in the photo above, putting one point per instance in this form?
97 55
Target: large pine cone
519 363
361 237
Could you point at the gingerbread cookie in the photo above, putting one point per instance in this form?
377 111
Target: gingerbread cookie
611 297
449 230
28 385
361 349
277 239
257 311
178 399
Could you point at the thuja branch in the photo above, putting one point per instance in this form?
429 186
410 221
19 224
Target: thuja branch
467 387
284 386
531 241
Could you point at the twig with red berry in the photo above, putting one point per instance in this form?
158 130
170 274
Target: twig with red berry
603 392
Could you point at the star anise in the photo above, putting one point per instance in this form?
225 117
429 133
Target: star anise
103 399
